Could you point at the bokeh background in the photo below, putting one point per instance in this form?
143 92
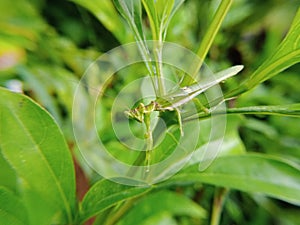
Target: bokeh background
45 47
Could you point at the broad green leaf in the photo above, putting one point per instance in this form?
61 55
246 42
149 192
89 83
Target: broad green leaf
34 146
286 55
53 87
8 177
231 142
40 89
106 13
12 211
271 176
105 194
164 201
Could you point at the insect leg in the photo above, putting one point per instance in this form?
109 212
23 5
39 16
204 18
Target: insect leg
200 106
179 121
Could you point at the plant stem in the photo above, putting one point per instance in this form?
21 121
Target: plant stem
115 216
209 38
292 110
149 138
220 195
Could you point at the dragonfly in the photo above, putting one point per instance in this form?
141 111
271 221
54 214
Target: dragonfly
173 101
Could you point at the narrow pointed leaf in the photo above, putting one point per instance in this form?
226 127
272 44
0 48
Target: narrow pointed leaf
176 6
160 14
131 10
208 39
286 55
33 145
149 6
166 10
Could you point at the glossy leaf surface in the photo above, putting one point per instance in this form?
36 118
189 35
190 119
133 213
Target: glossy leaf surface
105 194
33 145
250 173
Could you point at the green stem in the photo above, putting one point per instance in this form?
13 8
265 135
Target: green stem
209 38
292 110
149 138
114 216
219 198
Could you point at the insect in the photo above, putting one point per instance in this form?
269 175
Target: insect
174 100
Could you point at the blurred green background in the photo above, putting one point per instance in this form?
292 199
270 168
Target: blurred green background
45 47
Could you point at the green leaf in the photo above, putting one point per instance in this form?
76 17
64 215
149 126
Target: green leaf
106 13
162 202
12 211
131 10
46 82
149 6
34 146
214 27
8 177
105 194
160 13
286 55
41 89
231 142
250 173
176 6
208 39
